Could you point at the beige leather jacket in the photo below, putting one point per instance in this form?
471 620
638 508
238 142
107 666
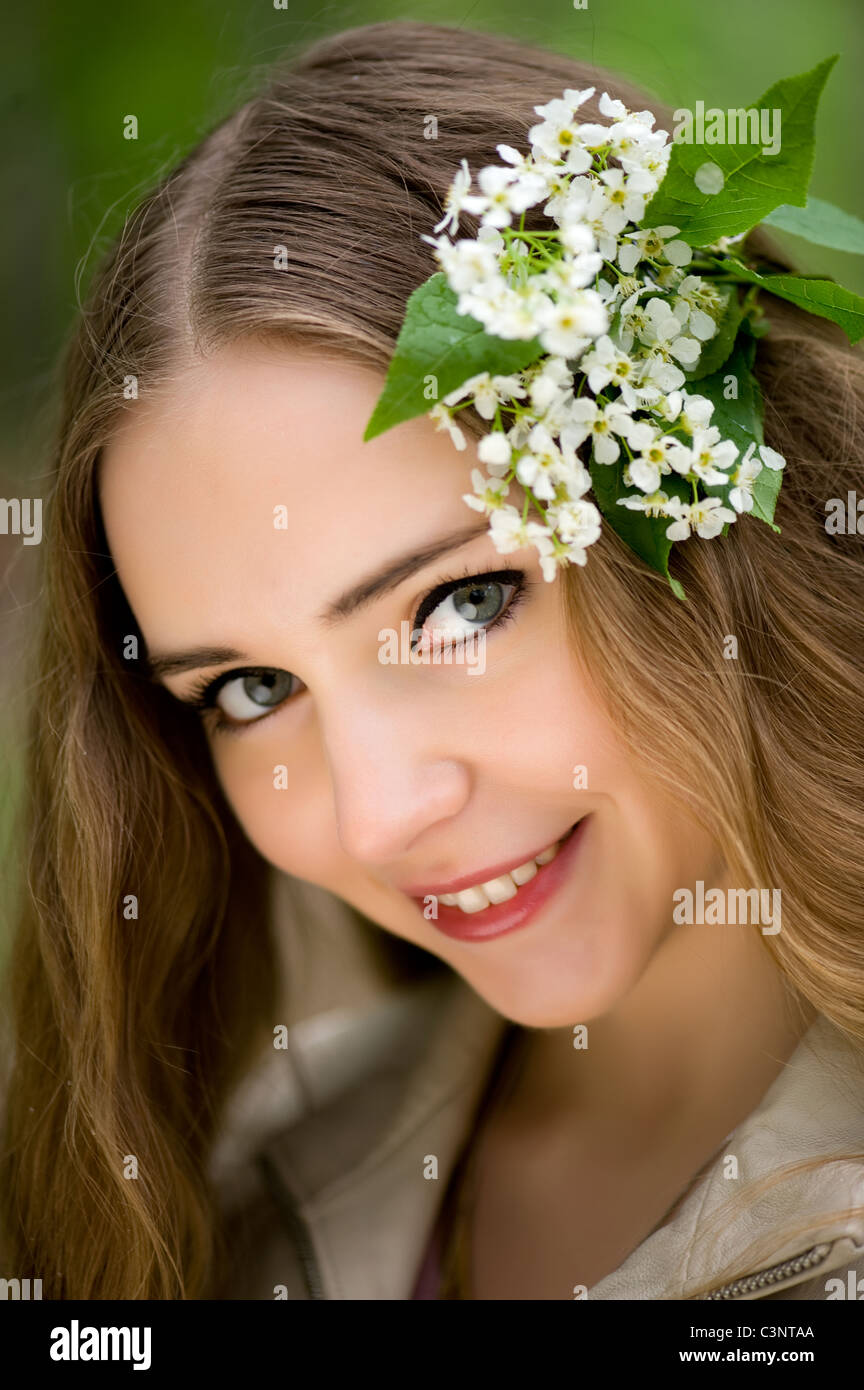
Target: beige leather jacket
321 1160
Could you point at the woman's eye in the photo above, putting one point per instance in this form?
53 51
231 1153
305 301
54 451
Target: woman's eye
247 697
449 615
468 607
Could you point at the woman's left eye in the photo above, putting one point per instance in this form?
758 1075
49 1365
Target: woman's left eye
453 611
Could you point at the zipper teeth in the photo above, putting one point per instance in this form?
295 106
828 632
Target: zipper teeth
302 1240
773 1275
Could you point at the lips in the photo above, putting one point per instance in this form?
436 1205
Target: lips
502 887
454 886
474 914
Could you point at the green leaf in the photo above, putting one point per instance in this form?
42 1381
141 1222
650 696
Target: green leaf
755 183
821 223
821 297
739 418
435 341
766 490
735 393
718 348
646 535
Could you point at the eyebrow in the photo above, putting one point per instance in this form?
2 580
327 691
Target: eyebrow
359 596
396 572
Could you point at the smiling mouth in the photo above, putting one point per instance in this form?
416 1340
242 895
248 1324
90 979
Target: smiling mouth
480 896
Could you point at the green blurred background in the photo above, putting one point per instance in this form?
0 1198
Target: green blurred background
72 71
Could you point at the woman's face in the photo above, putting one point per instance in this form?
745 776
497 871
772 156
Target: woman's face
245 513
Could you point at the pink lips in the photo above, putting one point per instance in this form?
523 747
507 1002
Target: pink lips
518 911
455 885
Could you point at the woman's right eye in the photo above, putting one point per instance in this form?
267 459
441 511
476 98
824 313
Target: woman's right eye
247 696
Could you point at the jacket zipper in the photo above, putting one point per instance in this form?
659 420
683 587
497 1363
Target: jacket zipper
774 1274
297 1226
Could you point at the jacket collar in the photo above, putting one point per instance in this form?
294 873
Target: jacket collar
366 1175
354 1172
813 1108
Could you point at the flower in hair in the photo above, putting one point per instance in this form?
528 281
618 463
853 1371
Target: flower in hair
611 344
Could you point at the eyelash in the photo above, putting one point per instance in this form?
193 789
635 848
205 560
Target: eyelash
202 696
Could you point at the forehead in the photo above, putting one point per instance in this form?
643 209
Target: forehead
249 483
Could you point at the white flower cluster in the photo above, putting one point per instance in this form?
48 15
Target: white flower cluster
612 305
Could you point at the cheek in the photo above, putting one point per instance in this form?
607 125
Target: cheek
290 820
550 726
283 804
651 848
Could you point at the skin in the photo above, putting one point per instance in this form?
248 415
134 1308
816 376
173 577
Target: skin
402 774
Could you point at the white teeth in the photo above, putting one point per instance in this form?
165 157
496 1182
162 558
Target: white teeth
524 873
472 899
501 889
498 890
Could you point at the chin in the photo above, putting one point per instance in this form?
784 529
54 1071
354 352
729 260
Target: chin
547 1013
572 987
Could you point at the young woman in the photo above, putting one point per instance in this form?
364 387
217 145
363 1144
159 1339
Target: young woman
249 1060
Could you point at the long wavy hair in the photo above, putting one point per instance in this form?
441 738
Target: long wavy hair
128 1036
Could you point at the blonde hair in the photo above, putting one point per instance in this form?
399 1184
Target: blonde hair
763 749
129 1043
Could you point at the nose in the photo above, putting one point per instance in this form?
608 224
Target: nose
394 776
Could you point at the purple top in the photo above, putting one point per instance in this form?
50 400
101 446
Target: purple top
428 1282
429 1279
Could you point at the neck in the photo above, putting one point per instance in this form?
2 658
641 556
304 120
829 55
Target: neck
707 1028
